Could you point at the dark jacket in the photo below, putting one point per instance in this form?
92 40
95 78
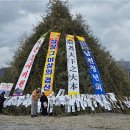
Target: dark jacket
43 99
2 99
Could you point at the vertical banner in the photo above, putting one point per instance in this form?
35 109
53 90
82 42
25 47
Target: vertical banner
48 75
27 67
73 75
6 87
94 73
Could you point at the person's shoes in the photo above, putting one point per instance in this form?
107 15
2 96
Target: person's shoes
35 116
32 116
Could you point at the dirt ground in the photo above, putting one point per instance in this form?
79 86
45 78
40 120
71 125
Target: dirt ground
105 121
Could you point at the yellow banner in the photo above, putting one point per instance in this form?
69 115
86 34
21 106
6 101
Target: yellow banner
48 75
80 38
70 37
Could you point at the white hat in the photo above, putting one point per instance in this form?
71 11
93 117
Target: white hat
39 89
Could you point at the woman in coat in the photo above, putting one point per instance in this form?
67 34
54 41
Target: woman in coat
44 104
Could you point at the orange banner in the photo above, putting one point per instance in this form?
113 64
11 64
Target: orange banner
48 75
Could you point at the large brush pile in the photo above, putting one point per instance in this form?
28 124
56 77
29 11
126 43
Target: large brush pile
59 19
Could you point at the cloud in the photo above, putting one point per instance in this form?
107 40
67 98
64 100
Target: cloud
10 10
12 31
5 56
110 21
17 19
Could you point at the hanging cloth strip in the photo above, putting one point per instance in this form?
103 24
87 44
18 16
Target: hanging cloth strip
73 75
48 75
27 67
94 73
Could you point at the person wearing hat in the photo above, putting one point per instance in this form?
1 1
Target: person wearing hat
2 99
36 94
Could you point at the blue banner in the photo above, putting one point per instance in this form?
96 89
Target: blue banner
94 73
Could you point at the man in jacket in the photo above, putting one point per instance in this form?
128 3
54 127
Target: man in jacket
2 99
36 94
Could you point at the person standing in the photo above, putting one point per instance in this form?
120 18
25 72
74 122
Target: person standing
44 104
2 99
36 94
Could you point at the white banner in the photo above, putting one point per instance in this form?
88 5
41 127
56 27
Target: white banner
6 87
73 75
27 67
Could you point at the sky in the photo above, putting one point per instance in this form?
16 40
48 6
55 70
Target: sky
109 21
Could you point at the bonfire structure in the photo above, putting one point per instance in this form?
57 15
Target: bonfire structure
69 64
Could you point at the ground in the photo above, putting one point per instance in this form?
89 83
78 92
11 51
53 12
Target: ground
104 121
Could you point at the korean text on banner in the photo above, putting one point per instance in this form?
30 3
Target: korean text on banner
6 87
94 73
27 67
72 67
48 74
